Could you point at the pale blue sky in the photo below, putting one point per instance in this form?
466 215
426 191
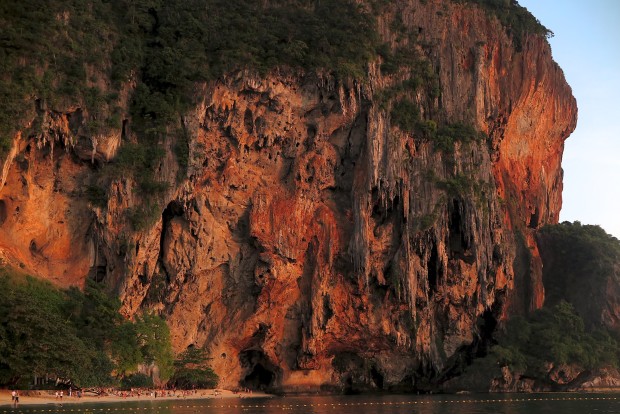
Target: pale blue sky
587 47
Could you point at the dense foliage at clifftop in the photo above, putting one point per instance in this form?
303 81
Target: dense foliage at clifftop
517 20
65 53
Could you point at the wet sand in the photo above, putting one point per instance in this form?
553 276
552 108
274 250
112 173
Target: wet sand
47 397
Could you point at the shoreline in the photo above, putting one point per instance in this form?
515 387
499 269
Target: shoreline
43 397
46 397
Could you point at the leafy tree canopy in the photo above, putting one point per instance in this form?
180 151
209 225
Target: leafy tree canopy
554 334
580 262
77 336
192 370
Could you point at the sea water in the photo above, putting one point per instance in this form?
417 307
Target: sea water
548 403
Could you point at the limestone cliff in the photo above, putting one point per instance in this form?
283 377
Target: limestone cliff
312 242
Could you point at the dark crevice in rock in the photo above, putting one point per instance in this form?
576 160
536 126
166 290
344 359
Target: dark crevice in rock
455 226
241 230
124 130
3 214
174 209
327 310
248 121
459 243
76 120
229 133
260 378
259 335
433 269
425 377
487 323
311 135
383 209
348 387
99 269
479 348
534 219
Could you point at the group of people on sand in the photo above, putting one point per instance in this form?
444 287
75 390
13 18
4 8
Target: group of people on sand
59 395
147 392
15 397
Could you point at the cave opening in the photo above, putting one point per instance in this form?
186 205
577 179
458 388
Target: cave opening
100 272
348 386
261 374
376 377
260 378
172 210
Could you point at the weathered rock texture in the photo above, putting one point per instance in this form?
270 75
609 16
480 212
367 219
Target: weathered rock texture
313 244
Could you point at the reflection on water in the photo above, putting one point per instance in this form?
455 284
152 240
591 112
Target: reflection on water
368 404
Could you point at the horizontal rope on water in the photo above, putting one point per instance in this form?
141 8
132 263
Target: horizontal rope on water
58 409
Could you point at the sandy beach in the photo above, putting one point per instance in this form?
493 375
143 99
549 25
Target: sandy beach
47 397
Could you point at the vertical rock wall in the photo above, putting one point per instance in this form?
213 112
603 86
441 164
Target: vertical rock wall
314 244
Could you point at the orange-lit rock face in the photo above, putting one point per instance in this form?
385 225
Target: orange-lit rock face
314 244
44 227
522 101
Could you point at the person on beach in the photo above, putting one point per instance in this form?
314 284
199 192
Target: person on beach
13 394
61 395
16 401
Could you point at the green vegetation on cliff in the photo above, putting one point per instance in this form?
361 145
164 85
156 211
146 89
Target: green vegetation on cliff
133 65
555 334
581 262
515 18
71 53
574 327
76 336
193 371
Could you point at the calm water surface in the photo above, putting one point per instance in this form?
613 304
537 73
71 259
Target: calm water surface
398 404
